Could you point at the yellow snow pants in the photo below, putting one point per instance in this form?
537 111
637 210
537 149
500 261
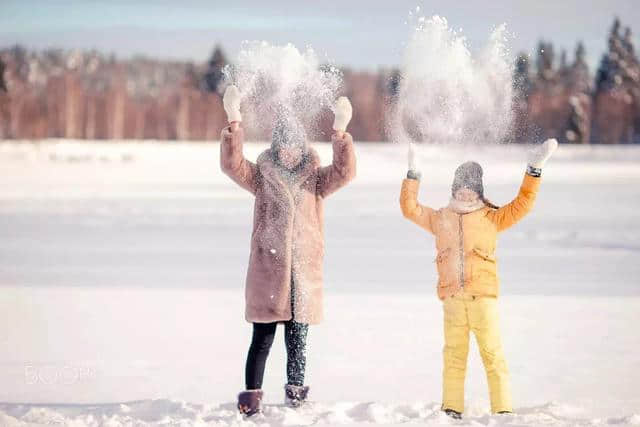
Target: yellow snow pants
479 314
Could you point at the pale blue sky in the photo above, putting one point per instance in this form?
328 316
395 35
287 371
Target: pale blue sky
359 33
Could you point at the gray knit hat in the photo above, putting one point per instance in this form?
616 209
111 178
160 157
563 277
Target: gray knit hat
468 175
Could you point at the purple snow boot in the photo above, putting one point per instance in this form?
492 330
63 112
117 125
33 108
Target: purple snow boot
294 395
250 402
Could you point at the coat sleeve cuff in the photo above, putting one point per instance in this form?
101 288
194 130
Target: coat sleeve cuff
411 174
533 171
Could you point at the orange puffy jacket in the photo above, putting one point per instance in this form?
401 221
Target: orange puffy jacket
466 243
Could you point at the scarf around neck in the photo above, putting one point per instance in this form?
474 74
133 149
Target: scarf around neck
461 207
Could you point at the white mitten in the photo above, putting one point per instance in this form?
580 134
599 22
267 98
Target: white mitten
411 158
342 114
231 103
541 154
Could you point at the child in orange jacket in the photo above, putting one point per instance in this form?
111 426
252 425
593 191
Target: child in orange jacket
466 232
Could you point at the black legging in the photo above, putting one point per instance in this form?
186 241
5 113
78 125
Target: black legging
296 341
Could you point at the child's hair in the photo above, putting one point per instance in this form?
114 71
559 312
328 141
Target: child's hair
488 203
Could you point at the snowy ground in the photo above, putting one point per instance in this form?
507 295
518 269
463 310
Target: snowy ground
122 270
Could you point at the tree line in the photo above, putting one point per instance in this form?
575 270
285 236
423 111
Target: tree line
90 95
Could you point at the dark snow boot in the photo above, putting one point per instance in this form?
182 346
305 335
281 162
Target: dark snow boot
294 395
250 402
453 414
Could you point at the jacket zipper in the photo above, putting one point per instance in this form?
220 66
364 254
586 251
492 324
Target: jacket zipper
461 249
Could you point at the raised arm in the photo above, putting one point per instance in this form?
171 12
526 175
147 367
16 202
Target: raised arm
232 160
342 169
411 209
514 211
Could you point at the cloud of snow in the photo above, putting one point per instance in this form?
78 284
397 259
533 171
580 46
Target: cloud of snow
282 79
447 93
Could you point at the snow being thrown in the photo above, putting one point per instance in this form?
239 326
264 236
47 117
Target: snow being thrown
448 96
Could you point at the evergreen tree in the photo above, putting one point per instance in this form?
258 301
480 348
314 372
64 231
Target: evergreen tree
214 76
3 85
